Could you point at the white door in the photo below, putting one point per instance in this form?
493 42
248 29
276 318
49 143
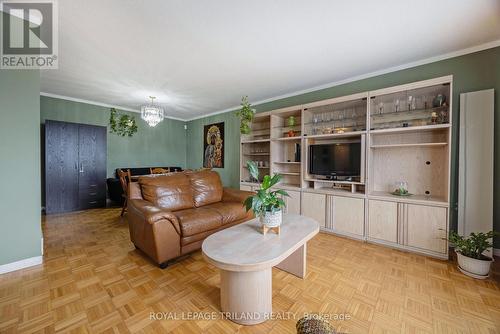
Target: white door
383 220
314 206
426 227
346 214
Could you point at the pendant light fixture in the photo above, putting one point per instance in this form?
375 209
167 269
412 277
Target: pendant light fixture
152 114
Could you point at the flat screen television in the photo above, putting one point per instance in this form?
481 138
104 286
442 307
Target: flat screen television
339 159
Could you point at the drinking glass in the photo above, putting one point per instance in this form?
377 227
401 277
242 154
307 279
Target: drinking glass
396 105
380 108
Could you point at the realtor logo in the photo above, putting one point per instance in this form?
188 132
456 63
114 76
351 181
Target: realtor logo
29 34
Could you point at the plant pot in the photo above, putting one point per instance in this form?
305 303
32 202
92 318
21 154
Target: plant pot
473 267
270 219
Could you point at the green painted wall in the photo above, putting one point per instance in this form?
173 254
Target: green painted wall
19 165
162 145
471 72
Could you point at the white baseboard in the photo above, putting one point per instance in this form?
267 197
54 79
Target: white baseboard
496 251
32 261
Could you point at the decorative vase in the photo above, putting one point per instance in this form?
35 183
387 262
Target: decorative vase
291 121
473 267
271 219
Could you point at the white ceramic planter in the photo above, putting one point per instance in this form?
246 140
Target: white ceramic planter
478 268
270 219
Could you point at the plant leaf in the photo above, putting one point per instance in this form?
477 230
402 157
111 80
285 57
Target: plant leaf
252 168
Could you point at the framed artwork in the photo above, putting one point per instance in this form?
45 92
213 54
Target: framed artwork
213 145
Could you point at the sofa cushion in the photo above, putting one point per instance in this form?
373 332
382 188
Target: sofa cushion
230 211
198 220
207 187
168 191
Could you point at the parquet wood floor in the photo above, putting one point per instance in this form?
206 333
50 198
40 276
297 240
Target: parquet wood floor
94 281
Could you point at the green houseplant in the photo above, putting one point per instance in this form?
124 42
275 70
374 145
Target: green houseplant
267 204
246 116
121 124
471 260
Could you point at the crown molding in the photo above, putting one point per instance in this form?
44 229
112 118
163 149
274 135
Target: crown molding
100 104
458 53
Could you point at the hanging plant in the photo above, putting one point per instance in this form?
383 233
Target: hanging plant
121 124
246 116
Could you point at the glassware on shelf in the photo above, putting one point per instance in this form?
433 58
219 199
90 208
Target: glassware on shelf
397 105
380 108
401 188
411 103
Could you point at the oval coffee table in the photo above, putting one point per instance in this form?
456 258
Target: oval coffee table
245 258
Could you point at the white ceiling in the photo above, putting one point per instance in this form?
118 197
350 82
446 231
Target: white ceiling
200 57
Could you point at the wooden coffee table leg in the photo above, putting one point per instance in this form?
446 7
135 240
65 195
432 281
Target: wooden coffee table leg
295 264
246 296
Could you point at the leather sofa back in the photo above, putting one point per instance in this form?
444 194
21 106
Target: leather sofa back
171 192
179 191
206 186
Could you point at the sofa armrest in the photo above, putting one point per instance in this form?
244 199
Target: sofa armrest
235 195
152 214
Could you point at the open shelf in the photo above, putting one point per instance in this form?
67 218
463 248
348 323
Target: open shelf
256 154
409 145
260 129
337 135
336 115
290 173
415 199
287 138
255 141
286 123
287 162
413 107
412 129
259 167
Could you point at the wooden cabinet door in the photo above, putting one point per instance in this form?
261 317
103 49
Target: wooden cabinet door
383 220
346 214
426 227
314 206
61 167
292 202
92 166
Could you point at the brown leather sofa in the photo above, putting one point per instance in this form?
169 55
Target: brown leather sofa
170 215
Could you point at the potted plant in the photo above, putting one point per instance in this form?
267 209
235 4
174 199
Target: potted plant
246 116
471 260
267 204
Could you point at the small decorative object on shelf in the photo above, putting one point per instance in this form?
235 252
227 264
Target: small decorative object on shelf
471 260
434 117
291 121
245 114
266 204
401 189
439 100
291 133
121 124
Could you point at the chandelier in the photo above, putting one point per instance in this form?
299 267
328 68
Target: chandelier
152 113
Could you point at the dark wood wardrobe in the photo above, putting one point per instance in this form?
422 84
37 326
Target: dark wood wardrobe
75 166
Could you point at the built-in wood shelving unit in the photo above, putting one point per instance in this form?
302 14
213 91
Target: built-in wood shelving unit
405 132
